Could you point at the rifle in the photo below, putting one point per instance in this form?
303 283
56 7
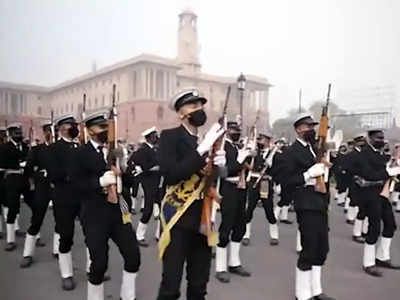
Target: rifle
253 138
113 161
391 182
82 127
30 135
52 128
210 192
321 143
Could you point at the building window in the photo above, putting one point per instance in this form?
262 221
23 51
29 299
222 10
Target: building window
147 82
117 97
160 112
6 103
168 91
89 103
72 107
178 83
134 84
159 84
39 110
14 104
21 103
96 102
151 84
103 101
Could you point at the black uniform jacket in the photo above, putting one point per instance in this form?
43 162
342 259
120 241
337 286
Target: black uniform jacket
372 166
179 160
12 156
232 164
39 158
89 165
62 158
297 160
146 158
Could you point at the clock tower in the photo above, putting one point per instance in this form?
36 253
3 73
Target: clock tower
188 46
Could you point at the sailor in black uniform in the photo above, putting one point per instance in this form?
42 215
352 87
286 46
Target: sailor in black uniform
260 186
66 203
14 155
3 141
146 158
233 208
102 220
372 175
299 174
38 164
182 159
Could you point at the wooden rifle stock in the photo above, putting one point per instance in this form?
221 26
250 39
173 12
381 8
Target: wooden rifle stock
82 127
320 185
112 196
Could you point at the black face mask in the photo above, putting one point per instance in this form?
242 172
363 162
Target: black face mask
103 137
260 145
378 144
198 118
309 136
73 132
235 137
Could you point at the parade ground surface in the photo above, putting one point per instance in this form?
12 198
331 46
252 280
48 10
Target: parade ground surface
273 268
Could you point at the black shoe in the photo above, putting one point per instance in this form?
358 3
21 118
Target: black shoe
364 235
20 233
398 211
350 222
68 284
246 242
1 235
10 247
141 210
239 270
223 277
358 239
387 264
323 297
341 204
286 222
133 212
373 271
274 242
345 211
55 255
26 262
143 243
39 243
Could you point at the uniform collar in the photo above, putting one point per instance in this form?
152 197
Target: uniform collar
304 143
150 145
96 145
66 140
189 131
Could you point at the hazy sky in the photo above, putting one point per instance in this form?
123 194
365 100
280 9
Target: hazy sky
305 44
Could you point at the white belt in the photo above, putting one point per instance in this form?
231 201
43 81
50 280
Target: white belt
255 175
1 169
44 172
13 171
232 179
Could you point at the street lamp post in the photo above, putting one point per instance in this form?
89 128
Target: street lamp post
241 82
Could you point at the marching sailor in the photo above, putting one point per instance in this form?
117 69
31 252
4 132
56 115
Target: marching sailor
182 159
299 174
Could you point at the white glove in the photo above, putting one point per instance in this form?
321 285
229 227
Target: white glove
107 179
212 135
22 164
242 155
278 189
155 168
315 171
393 171
220 158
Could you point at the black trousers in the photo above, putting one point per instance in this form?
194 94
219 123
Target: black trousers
313 226
66 210
354 197
233 214
341 182
361 203
286 197
151 195
100 225
253 195
40 203
378 209
2 191
190 247
16 185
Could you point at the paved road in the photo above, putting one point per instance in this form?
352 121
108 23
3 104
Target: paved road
272 267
